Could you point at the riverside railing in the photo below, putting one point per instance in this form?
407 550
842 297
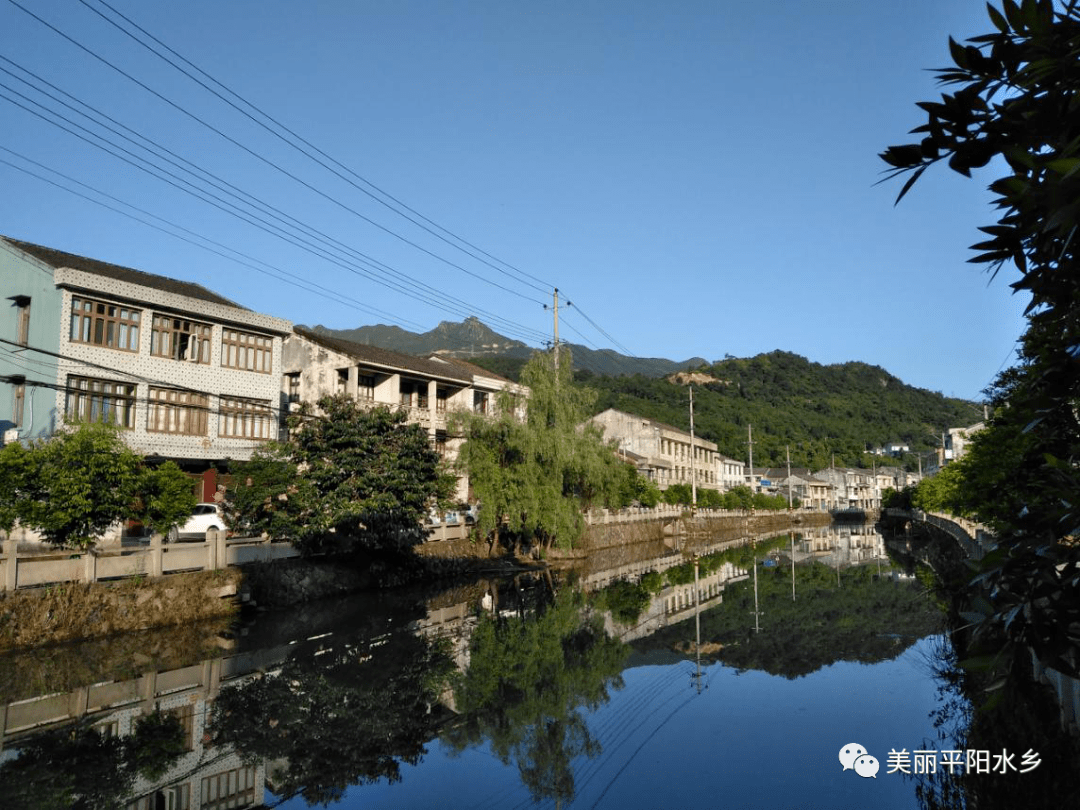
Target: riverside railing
28 568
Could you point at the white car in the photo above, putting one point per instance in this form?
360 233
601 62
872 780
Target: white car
204 516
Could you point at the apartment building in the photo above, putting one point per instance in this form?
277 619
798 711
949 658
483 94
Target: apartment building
186 373
427 389
665 454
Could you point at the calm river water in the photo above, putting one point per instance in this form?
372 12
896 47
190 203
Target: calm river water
625 687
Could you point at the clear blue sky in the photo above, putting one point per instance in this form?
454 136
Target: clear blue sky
698 178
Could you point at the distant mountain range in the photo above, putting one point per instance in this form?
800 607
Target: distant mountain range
473 339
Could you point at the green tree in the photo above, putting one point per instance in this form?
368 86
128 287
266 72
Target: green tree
166 495
1015 100
74 486
349 480
534 477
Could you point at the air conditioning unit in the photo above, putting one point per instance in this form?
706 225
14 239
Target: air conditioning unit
11 435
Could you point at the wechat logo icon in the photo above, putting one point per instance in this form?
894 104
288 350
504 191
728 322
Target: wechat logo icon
854 756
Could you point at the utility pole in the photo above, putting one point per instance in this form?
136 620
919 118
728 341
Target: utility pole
750 444
555 347
788 447
693 452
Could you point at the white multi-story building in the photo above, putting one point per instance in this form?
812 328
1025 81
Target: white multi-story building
427 389
186 373
665 454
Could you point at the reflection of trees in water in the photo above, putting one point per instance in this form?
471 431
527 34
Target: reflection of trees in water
340 715
529 678
865 618
80 767
1024 715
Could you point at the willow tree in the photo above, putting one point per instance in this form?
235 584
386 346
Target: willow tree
534 473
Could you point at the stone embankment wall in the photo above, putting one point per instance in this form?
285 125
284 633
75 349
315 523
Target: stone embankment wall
691 531
71 611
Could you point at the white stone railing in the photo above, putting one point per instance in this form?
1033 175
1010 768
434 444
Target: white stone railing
46 566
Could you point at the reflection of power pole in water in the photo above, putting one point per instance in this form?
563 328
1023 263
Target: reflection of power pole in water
792 536
697 623
757 613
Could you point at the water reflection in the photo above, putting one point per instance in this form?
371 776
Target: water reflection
559 691
530 677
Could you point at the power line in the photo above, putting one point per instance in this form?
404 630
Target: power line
307 143
290 278
266 161
407 286
488 316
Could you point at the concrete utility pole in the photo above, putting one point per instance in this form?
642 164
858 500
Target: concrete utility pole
750 444
693 452
788 447
555 347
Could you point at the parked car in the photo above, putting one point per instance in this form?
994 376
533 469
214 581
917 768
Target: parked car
204 516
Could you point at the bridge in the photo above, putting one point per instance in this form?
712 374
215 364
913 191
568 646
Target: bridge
976 540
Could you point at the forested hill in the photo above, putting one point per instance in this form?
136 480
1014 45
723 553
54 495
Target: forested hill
818 410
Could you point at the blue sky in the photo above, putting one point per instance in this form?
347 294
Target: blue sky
697 178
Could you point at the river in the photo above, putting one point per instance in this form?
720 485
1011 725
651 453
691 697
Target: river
827 683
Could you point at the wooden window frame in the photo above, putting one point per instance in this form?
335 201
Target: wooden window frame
173 337
250 419
105 324
247 351
177 412
92 399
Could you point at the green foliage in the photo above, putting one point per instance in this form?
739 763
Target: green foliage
338 713
625 600
1013 98
529 678
677 494
350 480
78 767
815 410
535 477
940 492
864 619
73 486
167 497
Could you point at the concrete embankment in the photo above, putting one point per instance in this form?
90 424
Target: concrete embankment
72 611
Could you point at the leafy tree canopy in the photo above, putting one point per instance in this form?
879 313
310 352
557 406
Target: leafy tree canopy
349 480
74 486
536 475
1012 98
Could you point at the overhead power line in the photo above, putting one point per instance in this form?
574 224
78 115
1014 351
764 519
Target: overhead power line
253 153
336 166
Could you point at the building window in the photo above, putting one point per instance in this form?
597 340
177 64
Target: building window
100 324
18 398
247 352
235 788
342 381
173 411
293 386
440 400
406 394
180 339
480 401
246 418
22 319
440 443
366 386
93 400
421 396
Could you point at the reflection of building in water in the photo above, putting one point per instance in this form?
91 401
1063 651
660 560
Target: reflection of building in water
203 778
843 545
